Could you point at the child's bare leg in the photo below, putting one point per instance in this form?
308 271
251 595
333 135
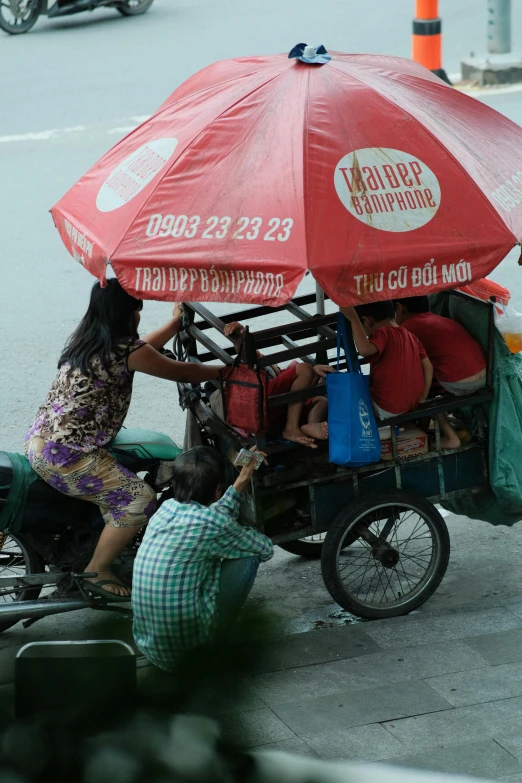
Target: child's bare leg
448 437
317 425
305 378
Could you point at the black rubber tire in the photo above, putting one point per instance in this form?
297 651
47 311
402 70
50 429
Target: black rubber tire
335 542
33 563
25 26
303 548
128 10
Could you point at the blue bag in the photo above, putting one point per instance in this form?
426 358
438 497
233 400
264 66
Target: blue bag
352 429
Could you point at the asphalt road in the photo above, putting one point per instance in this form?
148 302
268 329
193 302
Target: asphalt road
71 88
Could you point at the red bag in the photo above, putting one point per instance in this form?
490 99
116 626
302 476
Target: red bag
245 397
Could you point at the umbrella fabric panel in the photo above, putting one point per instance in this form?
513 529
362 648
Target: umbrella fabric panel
220 73
399 211
487 144
368 171
102 205
226 222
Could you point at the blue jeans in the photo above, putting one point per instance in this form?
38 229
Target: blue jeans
237 578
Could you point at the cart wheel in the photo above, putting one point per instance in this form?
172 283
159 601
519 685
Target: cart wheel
310 547
18 558
385 555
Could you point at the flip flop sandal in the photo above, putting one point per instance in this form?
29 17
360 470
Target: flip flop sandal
96 588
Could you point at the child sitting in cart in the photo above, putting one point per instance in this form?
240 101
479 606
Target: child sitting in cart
303 421
400 371
196 565
459 365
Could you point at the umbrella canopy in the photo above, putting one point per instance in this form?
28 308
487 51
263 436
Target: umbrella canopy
368 171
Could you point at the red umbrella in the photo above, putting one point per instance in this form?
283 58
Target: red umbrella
366 170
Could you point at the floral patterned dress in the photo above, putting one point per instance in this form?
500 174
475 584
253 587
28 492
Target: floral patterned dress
66 444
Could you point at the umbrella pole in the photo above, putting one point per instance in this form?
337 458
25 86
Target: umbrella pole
321 357
319 299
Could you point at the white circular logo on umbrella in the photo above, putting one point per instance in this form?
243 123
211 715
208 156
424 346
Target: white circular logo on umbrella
134 173
387 189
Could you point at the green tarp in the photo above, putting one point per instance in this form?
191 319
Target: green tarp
502 503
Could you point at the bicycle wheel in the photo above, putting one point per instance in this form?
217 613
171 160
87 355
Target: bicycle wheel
18 558
385 555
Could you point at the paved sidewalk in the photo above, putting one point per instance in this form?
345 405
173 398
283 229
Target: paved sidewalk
439 692
435 690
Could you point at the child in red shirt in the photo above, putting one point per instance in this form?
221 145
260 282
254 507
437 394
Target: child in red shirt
400 372
458 361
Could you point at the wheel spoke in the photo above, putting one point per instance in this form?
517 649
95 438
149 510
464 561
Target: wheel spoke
410 578
12 563
419 522
391 586
417 538
421 563
364 585
358 579
351 570
380 575
401 518
424 554
397 530
366 569
353 561
424 549
400 582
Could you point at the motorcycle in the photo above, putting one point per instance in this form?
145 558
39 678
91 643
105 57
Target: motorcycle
57 536
18 16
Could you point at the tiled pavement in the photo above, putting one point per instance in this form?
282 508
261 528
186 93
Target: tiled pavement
435 691
440 692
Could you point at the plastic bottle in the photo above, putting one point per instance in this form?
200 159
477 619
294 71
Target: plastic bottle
509 324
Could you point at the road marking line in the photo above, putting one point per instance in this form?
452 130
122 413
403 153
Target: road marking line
126 129
42 135
56 133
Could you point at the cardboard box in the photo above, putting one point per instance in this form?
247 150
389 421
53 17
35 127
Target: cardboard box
411 441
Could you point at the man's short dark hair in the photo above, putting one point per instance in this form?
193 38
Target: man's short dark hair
379 311
198 474
415 304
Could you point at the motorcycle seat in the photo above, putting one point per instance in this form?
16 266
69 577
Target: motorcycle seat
145 445
6 469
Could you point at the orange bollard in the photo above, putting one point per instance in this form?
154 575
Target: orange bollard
427 37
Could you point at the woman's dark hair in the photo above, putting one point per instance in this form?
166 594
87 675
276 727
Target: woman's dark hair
415 304
198 474
379 311
110 319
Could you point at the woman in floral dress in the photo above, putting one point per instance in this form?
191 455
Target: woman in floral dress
67 444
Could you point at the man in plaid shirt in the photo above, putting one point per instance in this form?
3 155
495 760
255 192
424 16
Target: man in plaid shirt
196 564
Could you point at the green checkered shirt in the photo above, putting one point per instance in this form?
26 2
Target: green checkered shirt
177 570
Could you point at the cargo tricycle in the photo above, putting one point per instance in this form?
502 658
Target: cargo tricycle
383 542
